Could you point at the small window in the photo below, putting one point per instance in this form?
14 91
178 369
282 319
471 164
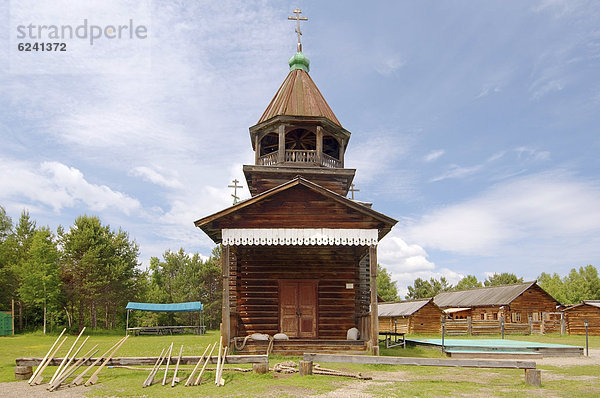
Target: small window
483 316
515 317
495 316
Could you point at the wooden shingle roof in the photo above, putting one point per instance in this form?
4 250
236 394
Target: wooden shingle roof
403 308
483 296
298 96
593 303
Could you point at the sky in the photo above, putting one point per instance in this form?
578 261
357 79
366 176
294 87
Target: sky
475 124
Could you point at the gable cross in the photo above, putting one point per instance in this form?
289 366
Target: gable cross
298 18
352 190
235 187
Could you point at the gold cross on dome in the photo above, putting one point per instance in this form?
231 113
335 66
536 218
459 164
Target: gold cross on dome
298 18
235 187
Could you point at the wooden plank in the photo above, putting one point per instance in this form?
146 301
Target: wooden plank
408 361
139 361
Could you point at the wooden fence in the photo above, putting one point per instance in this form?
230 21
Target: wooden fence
470 327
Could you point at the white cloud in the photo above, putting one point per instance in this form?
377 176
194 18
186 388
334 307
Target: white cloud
389 63
434 155
531 153
456 171
547 207
150 174
375 156
407 262
58 186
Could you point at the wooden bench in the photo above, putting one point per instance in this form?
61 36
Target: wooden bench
392 339
532 375
164 330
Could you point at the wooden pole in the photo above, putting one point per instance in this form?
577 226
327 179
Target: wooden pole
79 379
38 378
150 379
58 371
374 308
226 319
204 366
189 380
94 378
221 381
12 316
127 323
175 379
73 368
167 367
219 360
46 357
69 362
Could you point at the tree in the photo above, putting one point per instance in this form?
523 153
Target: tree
98 269
183 277
19 244
40 279
424 289
504 278
6 271
582 284
468 282
386 288
554 285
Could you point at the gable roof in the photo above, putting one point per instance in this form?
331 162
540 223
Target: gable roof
482 296
593 303
298 96
403 308
208 224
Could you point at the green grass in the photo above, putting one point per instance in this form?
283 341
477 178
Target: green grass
390 381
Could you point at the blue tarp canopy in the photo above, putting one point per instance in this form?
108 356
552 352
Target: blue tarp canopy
192 306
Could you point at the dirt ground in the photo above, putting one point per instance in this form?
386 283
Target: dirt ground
347 388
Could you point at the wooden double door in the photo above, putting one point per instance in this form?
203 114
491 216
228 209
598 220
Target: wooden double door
298 308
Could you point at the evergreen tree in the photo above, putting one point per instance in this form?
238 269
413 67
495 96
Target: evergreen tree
39 287
386 288
504 278
425 289
468 282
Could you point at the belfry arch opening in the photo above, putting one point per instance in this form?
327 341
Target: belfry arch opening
331 147
269 144
301 139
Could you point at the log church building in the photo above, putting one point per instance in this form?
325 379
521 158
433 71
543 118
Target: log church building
299 257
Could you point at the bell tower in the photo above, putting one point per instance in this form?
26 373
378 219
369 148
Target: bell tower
298 134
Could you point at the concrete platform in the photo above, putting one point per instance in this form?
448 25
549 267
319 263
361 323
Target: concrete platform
494 347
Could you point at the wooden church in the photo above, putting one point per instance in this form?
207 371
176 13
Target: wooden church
299 257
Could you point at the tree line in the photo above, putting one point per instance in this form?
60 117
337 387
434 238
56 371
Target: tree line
580 284
85 274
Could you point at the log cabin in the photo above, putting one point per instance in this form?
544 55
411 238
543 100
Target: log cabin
516 303
414 316
577 314
299 257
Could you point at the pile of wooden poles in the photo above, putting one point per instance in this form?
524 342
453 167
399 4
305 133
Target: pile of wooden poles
67 367
191 381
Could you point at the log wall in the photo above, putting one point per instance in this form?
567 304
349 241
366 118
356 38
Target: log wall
533 300
576 316
259 268
428 319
